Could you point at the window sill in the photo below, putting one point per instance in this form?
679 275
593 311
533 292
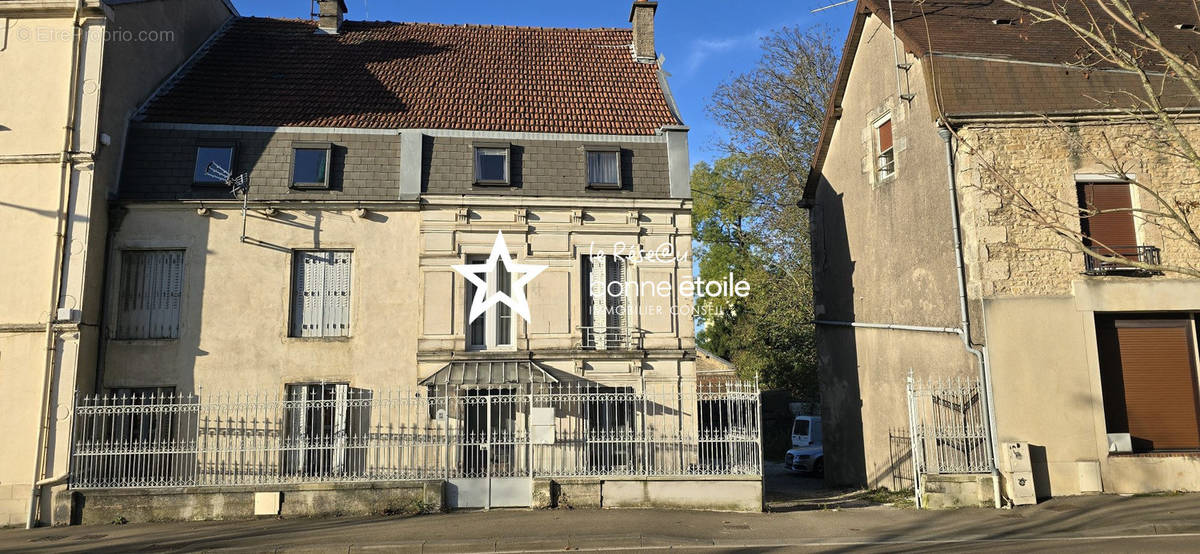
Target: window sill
303 186
318 339
1157 454
492 184
143 342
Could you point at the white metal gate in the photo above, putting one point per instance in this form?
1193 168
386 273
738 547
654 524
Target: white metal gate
948 426
493 452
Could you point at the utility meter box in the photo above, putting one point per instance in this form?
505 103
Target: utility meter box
1016 457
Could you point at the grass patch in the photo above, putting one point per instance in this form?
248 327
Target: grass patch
884 496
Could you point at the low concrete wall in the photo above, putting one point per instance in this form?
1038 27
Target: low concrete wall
91 507
689 493
957 491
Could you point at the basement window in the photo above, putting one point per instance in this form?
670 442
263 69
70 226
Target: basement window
492 164
885 162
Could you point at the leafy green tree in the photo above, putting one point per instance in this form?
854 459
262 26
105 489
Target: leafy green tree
749 222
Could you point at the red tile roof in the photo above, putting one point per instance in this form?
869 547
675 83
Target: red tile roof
278 72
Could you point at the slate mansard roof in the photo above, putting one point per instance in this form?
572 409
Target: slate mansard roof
383 75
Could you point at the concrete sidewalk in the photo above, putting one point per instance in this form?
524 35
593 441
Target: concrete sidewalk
1085 524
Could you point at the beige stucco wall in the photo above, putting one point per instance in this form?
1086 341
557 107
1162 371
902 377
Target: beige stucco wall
36 61
1046 376
883 253
556 233
222 349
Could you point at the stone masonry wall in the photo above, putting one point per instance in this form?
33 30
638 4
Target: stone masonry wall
1006 253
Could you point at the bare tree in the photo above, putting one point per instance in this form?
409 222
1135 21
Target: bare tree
1154 116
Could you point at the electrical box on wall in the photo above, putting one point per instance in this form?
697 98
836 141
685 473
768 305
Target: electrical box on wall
1018 474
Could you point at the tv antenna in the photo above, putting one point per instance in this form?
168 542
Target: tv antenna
237 185
833 5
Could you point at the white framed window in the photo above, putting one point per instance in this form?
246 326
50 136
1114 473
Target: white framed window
605 306
323 427
148 299
604 167
320 293
492 164
494 329
885 161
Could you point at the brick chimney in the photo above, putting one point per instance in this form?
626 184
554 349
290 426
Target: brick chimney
642 17
329 16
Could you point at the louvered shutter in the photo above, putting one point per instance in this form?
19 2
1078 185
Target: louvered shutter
1149 383
616 302
340 416
598 290
336 298
149 295
1111 232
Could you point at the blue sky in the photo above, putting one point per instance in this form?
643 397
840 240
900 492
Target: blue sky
705 41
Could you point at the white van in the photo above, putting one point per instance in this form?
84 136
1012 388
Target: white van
807 454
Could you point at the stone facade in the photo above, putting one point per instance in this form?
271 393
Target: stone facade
1007 254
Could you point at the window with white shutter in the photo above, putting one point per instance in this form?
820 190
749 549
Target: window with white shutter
605 322
320 293
148 299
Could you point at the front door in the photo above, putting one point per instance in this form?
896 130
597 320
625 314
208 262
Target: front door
493 468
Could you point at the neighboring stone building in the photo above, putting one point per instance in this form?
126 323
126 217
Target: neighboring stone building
66 93
381 158
1075 355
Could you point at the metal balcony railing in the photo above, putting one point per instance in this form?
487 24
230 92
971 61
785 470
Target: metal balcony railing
1145 254
602 337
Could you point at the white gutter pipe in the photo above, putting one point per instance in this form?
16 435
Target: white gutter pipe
45 414
985 374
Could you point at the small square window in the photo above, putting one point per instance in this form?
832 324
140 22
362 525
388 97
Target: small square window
310 166
491 165
604 168
219 155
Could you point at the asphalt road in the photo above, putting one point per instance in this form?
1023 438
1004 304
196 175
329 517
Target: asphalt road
1081 524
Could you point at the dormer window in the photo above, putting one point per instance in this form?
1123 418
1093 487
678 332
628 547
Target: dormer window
886 158
206 154
604 167
492 164
310 165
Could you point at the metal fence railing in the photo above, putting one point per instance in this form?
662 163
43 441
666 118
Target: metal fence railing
948 425
335 432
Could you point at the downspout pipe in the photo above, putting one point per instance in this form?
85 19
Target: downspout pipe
985 376
45 413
